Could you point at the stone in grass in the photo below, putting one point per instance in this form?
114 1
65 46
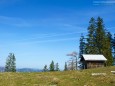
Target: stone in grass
98 74
113 72
54 82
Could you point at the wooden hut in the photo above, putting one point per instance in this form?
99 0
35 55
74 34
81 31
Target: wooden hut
92 61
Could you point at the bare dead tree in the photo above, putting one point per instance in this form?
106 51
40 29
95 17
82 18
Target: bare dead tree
72 63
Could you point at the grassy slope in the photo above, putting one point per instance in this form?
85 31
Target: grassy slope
67 78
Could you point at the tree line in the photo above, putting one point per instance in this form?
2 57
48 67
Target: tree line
52 67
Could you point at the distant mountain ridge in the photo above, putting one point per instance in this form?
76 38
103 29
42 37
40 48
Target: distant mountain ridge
23 69
2 69
28 70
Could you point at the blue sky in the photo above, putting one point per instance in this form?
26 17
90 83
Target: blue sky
39 31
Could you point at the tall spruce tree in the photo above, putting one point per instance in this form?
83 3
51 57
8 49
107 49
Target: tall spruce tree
82 46
52 67
10 63
103 41
107 51
91 42
100 35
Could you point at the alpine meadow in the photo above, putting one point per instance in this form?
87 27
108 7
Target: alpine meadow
57 43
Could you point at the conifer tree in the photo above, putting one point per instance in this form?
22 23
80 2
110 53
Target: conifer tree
107 51
91 42
65 67
45 68
10 63
100 35
57 67
103 41
82 46
52 66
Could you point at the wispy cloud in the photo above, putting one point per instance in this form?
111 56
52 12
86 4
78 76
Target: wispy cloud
52 35
13 21
47 41
36 42
104 2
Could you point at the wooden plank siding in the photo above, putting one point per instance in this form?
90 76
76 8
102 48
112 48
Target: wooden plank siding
94 64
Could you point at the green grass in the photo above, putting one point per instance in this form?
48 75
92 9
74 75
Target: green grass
67 78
